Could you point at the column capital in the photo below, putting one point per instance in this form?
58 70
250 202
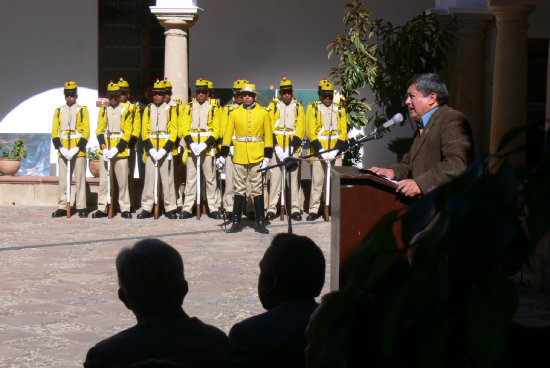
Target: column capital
172 15
512 9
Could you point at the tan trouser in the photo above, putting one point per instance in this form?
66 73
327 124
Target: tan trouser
275 186
229 186
242 173
78 167
318 179
167 181
208 176
131 170
178 168
120 170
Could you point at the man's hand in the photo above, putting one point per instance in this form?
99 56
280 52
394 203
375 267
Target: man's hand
331 155
220 162
201 147
160 154
264 163
64 152
232 150
194 148
408 188
280 153
73 151
109 154
153 154
388 173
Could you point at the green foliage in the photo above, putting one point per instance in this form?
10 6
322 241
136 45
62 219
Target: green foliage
419 46
92 153
384 57
455 300
18 150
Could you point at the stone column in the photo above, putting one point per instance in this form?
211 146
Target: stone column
177 16
510 72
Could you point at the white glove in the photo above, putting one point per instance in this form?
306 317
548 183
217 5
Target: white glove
232 150
324 154
289 151
332 154
194 148
109 154
160 154
169 157
201 147
280 153
73 151
153 154
264 163
64 152
220 162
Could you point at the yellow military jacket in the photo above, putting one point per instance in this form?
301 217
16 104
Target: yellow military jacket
225 118
115 136
209 133
287 132
136 125
253 134
320 132
165 136
79 132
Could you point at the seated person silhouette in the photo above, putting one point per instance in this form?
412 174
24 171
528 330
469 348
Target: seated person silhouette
152 285
292 274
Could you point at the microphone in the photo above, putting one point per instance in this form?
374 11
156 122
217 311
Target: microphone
396 119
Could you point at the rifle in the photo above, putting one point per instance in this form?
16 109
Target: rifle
110 191
283 178
198 189
156 190
327 183
68 174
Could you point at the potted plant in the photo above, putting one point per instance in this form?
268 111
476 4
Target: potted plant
10 159
92 153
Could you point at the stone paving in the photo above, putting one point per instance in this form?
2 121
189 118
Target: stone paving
58 290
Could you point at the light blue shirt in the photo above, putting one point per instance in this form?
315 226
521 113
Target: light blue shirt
426 117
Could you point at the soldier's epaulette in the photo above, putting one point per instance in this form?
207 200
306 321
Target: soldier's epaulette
178 101
275 100
230 107
266 108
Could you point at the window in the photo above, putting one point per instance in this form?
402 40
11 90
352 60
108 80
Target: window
131 44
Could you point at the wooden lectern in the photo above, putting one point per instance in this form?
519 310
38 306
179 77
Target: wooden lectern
359 201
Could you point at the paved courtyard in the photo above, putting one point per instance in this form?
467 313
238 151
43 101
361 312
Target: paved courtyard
58 290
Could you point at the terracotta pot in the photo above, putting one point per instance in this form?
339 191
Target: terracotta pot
9 166
94 167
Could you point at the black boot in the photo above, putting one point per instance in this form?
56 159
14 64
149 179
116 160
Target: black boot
260 219
237 214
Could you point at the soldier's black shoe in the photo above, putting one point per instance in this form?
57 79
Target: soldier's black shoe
185 215
82 213
214 215
144 214
296 216
312 217
270 216
132 210
260 220
179 210
59 213
172 215
126 215
251 216
237 213
229 215
99 214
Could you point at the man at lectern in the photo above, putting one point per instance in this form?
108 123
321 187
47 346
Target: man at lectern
442 147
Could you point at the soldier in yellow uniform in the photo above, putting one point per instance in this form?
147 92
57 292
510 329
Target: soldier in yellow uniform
159 131
176 108
134 138
237 101
201 130
114 129
251 126
327 128
288 119
70 134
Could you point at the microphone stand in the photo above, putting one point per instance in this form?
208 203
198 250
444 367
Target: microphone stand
291 164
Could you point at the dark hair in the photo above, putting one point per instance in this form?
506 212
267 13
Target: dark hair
298 263
151 273
431 83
